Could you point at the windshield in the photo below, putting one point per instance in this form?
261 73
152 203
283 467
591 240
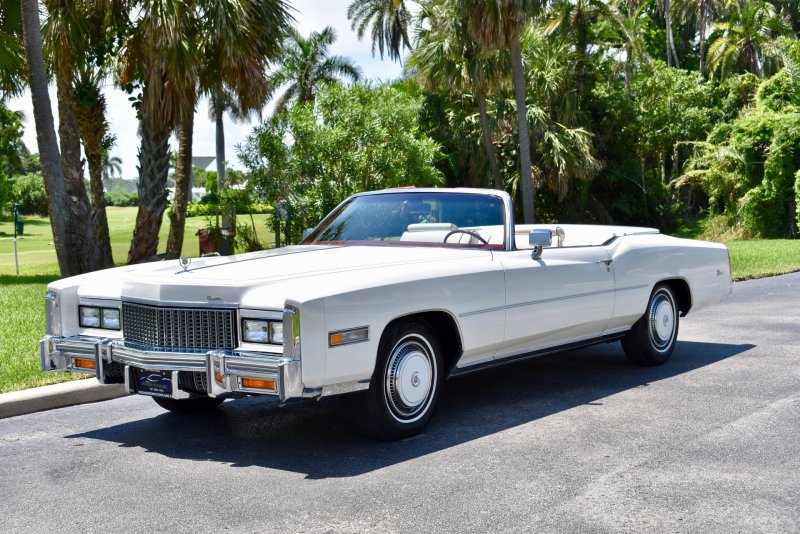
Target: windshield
416 218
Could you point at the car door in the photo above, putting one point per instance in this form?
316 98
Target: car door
565 296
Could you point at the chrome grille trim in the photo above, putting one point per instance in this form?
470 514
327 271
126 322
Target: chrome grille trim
187 330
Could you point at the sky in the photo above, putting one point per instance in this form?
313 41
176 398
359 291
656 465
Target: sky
310 15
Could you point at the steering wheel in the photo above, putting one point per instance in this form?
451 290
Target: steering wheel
468 232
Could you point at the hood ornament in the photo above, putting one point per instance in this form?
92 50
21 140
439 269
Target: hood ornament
185 261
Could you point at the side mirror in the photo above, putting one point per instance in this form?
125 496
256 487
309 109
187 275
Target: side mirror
538 239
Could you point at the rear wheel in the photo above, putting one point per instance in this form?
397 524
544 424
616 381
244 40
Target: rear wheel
406 382
652 339
193 405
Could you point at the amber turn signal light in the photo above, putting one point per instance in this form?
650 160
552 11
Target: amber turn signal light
85 364
257 383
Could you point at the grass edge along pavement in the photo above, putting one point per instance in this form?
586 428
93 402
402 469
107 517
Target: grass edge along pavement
22 297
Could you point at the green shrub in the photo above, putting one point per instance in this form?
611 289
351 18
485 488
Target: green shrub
122 198
240 199
29 191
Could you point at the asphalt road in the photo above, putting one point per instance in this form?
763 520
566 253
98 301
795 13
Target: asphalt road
581 442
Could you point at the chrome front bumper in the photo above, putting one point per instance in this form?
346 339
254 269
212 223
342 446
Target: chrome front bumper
225 372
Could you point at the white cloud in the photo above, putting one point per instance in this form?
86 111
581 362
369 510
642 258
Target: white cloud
311 15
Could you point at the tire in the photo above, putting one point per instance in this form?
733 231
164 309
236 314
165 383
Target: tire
406 382
654 336
194 405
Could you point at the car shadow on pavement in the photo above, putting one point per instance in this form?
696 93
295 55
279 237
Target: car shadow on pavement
321 439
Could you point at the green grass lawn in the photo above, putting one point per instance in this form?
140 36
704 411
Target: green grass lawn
22 297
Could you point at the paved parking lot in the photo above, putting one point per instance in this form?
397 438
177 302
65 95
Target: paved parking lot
577 442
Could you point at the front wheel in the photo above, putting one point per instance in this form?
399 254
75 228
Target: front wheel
193 405
653 338
406 382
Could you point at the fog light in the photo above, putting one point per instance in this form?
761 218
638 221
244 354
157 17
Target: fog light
258 383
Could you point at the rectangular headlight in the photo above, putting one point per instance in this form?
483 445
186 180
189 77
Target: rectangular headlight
89 316
110 318
255 330
276 332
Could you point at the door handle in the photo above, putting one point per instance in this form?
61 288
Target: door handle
607 263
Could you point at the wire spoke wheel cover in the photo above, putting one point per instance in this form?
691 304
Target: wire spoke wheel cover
409 379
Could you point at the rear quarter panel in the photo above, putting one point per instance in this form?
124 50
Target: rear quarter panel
642 261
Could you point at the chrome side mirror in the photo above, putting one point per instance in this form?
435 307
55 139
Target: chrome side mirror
538 239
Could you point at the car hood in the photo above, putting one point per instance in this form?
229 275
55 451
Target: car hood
302 269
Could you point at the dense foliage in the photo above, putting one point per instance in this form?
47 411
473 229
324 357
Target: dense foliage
355 138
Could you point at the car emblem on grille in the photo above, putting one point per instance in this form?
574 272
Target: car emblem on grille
185 262
214 298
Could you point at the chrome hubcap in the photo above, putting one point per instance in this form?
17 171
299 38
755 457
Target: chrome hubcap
410 375
662 321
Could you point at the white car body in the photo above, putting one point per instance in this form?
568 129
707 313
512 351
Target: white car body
487 305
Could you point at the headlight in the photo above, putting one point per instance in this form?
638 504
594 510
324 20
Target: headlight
96 317
276 333
262 331
110 318
90 317
255 331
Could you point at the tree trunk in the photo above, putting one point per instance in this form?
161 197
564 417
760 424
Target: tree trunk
672 55
183 172
702 25
487 140
153 170
93 127
46 140
218 114
84 238
525 177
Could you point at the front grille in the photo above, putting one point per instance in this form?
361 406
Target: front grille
192 330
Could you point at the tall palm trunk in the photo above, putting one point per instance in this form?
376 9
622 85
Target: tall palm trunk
183 171
47 142
92 123
220 127
487 140
702 27
81 225
153 170
672 54
525 176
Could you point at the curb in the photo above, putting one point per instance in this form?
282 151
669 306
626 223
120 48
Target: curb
57 396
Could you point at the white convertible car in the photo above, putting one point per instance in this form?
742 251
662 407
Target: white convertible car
391 293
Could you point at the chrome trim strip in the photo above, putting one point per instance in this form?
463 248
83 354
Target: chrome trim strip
344 387
476 366
487 310
554 299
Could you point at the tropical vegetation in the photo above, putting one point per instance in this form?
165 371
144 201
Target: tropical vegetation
671 113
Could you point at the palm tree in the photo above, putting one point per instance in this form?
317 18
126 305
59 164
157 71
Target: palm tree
575 20
64 31
111 165
237 40
672 54
447 59
623 30
390 20
306 64
702 14
160 54
742 38
46 139
12 50
498 24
